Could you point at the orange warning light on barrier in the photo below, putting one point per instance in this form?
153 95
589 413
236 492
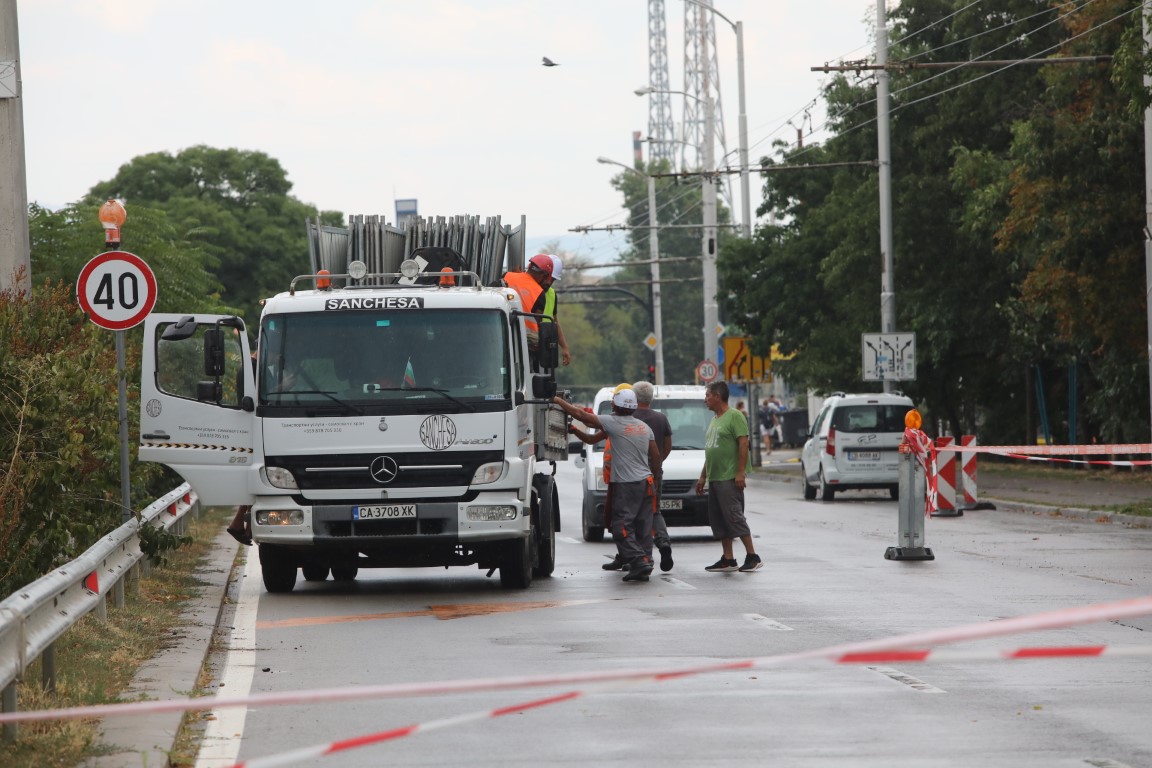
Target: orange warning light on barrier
912 419
323 283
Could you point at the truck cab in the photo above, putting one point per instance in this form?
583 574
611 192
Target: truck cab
379 424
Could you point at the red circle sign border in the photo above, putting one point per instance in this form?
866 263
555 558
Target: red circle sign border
138 263
700 371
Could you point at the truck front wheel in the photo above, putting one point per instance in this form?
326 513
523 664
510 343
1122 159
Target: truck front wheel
516 564
278 571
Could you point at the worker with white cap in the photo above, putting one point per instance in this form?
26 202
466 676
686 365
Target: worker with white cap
634 457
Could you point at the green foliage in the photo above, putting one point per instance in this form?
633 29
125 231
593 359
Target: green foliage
155 542
234 205
64 241
1017 220
58 418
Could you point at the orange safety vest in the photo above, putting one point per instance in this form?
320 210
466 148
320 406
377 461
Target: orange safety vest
530 292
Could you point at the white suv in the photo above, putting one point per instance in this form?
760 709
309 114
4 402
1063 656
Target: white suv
689 417
854 444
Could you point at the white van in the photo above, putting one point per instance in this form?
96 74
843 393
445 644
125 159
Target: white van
684 407
854 443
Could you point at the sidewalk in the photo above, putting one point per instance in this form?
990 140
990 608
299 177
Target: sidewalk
1082 494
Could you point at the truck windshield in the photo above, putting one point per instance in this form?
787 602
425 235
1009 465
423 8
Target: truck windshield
390 358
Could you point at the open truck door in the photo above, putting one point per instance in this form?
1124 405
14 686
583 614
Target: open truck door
197 396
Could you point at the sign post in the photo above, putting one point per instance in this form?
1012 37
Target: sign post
118 289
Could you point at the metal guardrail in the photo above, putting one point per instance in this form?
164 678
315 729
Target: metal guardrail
32 619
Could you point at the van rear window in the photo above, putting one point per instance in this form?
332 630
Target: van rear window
869 418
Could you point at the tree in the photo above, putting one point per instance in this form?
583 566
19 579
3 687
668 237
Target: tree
962 140
235 205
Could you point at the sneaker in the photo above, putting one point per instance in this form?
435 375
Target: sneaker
724 566
751 563
666 558
615 565
638 572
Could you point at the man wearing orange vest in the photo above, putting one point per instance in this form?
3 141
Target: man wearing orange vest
532 284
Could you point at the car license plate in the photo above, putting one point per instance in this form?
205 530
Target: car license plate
671 504
384 512
863 456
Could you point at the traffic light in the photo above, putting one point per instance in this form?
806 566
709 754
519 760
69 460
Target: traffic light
652 374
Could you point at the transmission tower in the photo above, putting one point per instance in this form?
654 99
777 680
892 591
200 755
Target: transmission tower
701 78
661 129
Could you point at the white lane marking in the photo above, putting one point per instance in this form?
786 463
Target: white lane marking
222 736
1105 762
766 623
676 582
567 539
908 680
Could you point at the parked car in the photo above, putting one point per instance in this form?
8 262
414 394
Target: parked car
854 443
686 412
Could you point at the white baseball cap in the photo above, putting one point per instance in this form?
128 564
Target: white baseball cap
557 266
625 398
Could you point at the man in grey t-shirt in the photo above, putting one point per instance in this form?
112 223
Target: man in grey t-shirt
634 459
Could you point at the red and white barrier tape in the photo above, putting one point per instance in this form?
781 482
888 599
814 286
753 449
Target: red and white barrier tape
1066 617
1096 462
1056 450
872 652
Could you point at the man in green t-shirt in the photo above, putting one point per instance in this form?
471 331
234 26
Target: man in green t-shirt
725 472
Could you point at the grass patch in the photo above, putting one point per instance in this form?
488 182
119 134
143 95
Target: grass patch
1137 509
1059 471
96 660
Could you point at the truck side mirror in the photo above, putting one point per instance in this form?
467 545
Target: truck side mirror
181 329
549 350
543 387
213 352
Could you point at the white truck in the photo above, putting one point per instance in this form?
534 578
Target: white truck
388 420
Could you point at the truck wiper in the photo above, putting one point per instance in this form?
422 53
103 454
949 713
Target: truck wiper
441 392
345 405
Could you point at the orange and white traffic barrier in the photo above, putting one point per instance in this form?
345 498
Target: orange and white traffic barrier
966 479
945 480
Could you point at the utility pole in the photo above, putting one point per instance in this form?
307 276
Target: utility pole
708 241
884 154
1145 11
15 268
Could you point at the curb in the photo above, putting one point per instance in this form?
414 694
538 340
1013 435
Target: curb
148 739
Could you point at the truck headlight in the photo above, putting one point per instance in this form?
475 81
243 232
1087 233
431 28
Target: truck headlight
493 512
278 477
280 517
488 473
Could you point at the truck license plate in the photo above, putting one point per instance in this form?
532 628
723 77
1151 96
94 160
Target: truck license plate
384 512
863 456
671 504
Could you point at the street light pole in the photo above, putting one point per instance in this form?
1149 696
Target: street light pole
708 244
654 266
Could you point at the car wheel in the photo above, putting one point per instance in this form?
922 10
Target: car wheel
345 572
593 531
516 564
314 572
278 571
546 529
825 490
809 489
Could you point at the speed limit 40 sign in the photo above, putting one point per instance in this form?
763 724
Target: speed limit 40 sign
117 289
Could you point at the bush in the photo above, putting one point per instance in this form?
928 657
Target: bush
59 434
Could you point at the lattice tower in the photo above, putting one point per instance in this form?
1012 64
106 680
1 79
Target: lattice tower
701 78
661 128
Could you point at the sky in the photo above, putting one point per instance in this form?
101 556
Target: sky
445 101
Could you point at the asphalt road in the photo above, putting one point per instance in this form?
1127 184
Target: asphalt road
825 583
